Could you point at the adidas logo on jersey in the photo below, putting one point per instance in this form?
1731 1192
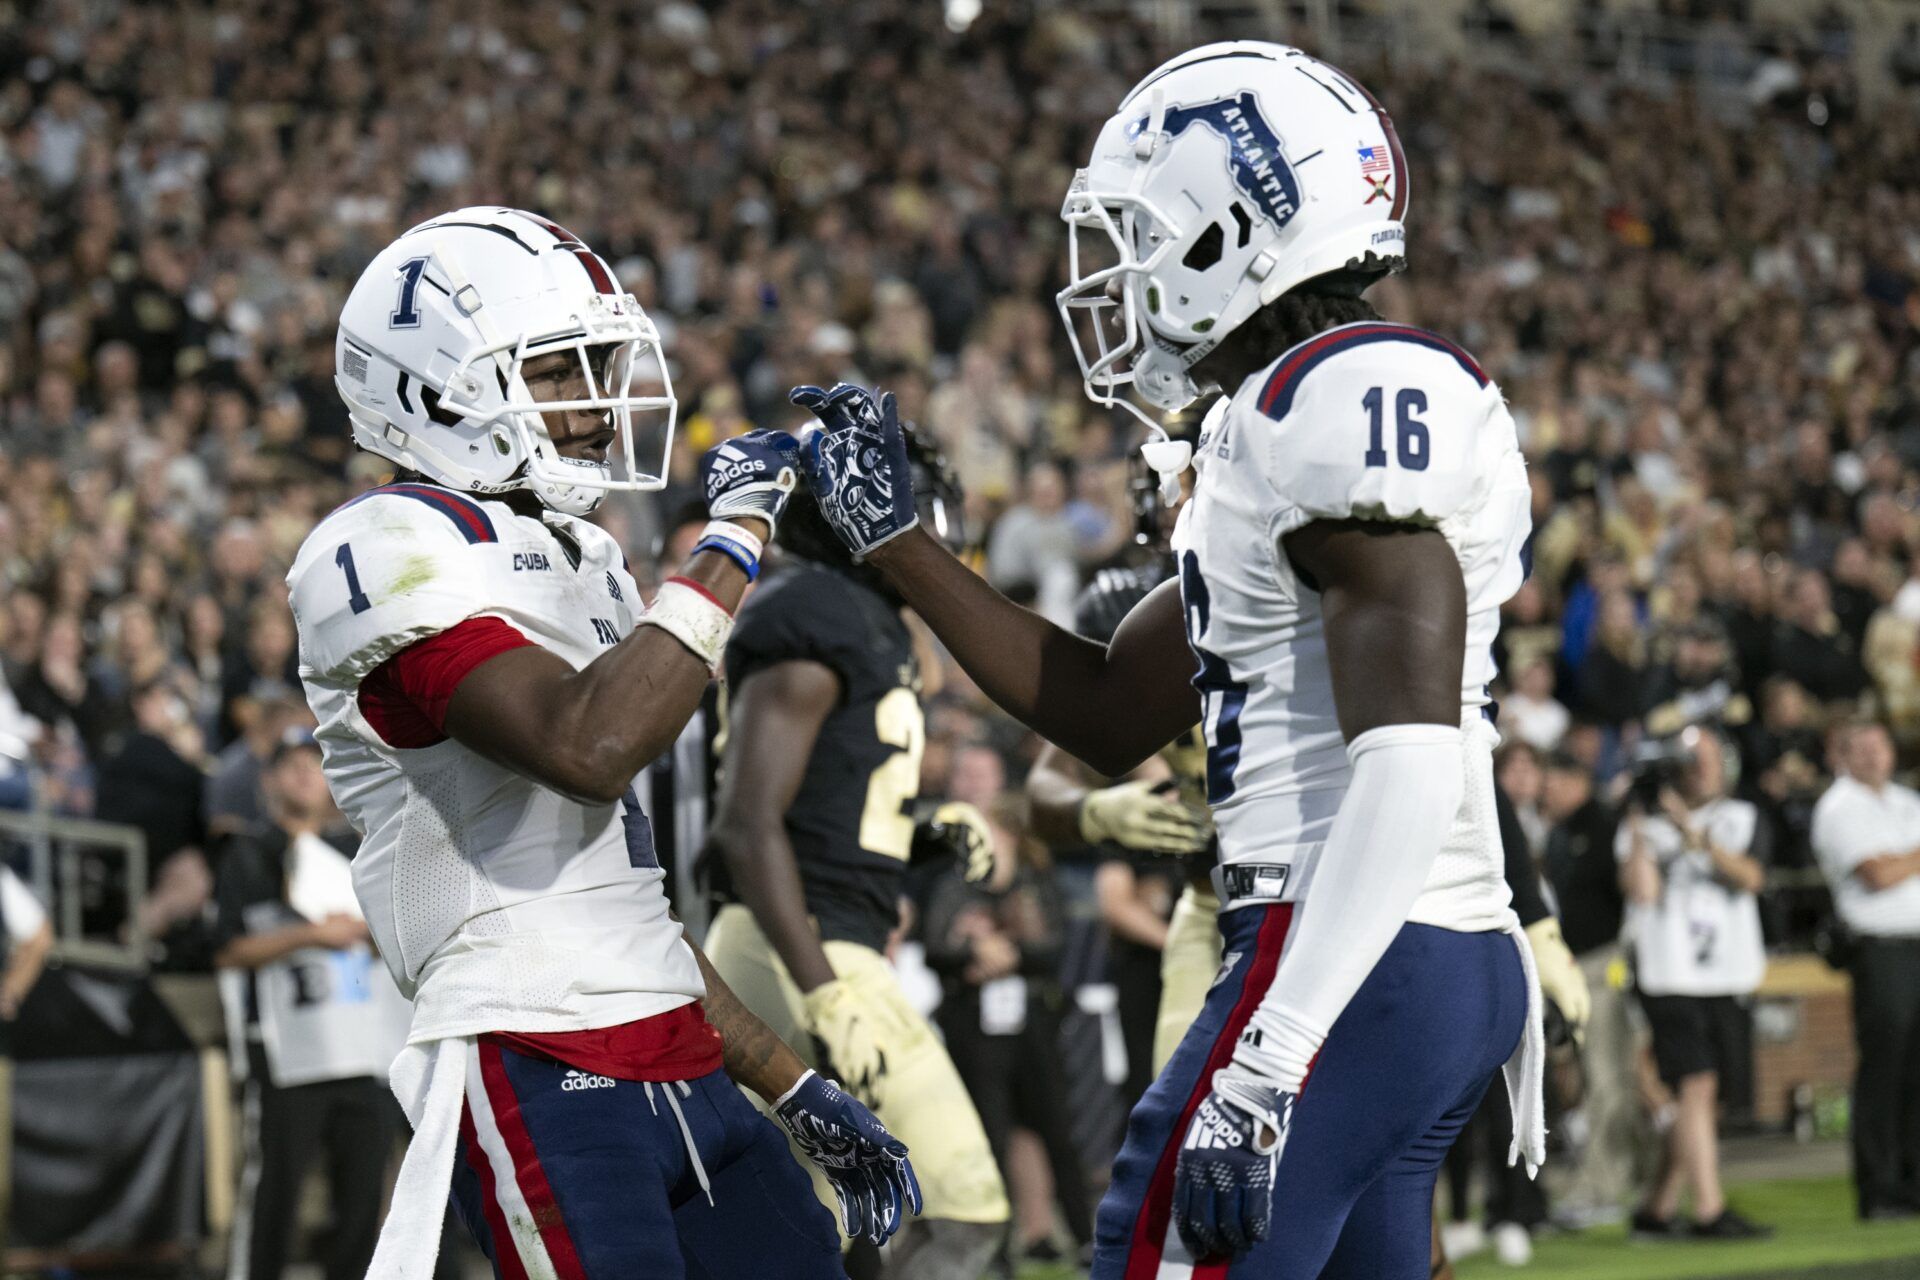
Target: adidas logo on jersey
576 1080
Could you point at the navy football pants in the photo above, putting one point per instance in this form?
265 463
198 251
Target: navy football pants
1402 1070
579 1177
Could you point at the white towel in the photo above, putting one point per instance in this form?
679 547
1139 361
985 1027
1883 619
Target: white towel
1526 1070
430 1082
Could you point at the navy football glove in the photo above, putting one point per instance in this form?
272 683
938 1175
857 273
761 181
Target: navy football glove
856 461
1223 1183
867 1165
750 475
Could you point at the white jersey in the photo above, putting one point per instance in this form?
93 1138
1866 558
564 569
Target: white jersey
1367 421
1702 936
498 903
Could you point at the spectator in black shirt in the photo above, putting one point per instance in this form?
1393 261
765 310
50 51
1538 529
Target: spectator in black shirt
1782 754
1612 678
155 782
1810 645
315 1019
1854 596
58 690
1581 868
996 946
1698 683
1743 602
1573 464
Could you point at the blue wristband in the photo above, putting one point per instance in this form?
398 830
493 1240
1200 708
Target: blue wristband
749 565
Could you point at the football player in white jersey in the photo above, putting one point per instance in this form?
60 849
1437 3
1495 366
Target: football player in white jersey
1359 516
487 685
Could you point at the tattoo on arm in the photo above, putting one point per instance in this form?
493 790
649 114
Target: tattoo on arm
754 1056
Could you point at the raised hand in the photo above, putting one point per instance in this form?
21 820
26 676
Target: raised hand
856 461
750 476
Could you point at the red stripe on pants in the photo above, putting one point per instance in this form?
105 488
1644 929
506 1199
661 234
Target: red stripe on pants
1156 1210
506 1255
534 1187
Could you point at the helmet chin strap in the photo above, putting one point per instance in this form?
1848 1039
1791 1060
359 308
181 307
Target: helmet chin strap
1164 455
1168 458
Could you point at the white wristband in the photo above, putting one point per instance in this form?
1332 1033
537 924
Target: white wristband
782 1100
737 534
688 612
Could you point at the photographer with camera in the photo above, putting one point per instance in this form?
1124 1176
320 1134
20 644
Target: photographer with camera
1690 868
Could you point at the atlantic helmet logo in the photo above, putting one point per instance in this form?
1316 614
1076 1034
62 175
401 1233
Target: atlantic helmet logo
1254 153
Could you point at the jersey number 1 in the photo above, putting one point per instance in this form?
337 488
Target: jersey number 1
356 598
1412 445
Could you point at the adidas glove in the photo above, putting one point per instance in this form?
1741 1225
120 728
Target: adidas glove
750 476
867 1166
1223 1181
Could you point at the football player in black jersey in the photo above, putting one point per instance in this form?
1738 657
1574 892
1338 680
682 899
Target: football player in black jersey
1161 966
813 830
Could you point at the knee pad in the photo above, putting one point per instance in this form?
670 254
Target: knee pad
941 1249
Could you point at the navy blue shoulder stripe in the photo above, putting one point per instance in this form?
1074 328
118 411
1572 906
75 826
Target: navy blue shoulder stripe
1276 398
468 516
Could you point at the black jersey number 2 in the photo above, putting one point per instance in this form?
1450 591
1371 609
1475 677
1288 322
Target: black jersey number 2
1412 444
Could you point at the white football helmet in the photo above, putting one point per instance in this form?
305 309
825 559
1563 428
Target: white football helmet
437 330
1233 173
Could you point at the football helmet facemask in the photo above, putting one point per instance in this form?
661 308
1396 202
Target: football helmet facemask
433 349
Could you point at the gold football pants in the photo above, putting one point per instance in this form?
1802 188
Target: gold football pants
922 1102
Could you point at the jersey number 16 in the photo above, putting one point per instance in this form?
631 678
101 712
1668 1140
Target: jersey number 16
1412 445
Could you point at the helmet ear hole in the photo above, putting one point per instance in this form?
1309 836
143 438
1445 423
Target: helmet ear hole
1207 248
431 399
1241 217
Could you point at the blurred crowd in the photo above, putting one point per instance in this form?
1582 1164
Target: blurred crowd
1698 293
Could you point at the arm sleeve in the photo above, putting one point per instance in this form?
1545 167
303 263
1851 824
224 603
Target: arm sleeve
1528 902
1407 784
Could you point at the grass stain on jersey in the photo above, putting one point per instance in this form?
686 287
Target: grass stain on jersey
415 572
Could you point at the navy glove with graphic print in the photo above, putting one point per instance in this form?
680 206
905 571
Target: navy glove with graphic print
867 1165
856 461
